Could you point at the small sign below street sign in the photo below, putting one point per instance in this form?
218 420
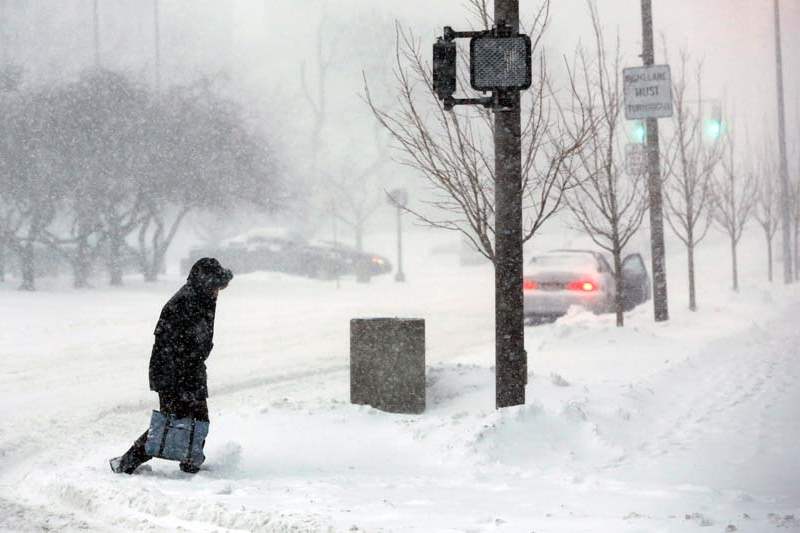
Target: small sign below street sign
648 92
635 159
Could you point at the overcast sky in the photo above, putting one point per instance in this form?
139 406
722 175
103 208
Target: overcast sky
263 43
733 37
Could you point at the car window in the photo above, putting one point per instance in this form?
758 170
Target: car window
604 266
633 264
564 261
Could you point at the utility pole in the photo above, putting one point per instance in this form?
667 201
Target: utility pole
96 20
4 60
400 277
657 247
398 199
510 357
785 205
157 43
3 38
500 62
335 227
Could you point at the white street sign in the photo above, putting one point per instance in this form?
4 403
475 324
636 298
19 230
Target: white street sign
635 159
648 92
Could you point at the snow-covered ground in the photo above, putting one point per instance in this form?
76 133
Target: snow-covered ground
654 427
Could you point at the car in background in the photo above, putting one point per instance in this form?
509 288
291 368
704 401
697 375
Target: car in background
265 250
334 259
555 281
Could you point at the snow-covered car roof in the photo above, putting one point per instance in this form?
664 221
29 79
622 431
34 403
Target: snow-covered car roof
563 260
264 234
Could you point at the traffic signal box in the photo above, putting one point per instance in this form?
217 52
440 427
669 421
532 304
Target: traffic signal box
500 62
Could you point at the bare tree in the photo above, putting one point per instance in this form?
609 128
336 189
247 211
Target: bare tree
214 227
734 199
203 156
314 82
93 123
795 192
354 195
29 178
3 246
79 241
688 166
767 203
315 92
453 150
10 79
607 204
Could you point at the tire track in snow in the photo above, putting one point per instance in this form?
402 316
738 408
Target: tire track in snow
232 388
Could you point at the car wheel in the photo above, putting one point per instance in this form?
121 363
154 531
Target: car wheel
609 307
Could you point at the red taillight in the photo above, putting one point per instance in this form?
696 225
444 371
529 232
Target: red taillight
583 286
529 285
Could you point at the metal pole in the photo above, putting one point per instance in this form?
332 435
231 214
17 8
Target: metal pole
335 241
96 19
510 357
157 44
786 220
4 56
658 251
400 276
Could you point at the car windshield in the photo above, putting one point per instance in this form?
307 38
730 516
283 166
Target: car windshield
564 262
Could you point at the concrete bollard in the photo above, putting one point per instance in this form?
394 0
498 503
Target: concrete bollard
387 364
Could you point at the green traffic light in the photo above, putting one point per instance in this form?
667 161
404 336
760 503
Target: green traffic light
714 129
639 133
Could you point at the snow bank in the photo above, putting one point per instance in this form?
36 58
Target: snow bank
653 427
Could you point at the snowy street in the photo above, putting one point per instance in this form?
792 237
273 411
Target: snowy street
220 221
647 428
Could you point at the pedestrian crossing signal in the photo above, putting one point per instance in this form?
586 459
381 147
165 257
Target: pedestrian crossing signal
500 63
444 68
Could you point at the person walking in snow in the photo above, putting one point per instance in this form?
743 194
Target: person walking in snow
183 341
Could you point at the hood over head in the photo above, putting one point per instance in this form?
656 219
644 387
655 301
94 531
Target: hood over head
208 274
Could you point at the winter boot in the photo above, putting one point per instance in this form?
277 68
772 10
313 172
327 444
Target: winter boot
116 465
123 465
134 457
189 468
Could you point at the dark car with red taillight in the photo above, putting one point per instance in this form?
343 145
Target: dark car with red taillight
275 251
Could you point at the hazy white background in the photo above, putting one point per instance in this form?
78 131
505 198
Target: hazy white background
261 44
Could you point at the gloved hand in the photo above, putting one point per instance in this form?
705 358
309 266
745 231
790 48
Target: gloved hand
187 396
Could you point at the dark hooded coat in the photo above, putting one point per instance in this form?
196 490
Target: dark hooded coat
184 334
